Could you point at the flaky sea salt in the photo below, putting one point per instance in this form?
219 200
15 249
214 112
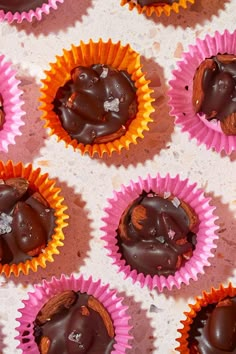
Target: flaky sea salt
171 234
176 202
166 195
112 106
104 73
5 223
75 337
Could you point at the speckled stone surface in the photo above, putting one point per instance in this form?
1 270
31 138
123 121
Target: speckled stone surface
86 183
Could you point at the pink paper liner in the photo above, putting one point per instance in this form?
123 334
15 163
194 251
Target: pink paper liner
12 103
206 234
31 14
199 128
44 292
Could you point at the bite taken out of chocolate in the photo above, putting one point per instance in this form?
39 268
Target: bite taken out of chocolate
156 234
97 104
214 91
74 322
213 330
26 221
20 5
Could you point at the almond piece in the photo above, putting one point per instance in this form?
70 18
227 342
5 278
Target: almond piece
226 58
198 94
110 137
19 184
192 216
44 345
36 251
224 303
40 199
84 311
138 215
63 300
228 125
95 305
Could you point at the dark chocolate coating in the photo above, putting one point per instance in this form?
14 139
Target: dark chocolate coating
20 5
70 332
157 2
152 249
214 329
80 103
219 87
31 227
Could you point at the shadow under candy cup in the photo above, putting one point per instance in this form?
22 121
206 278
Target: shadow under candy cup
108 298
11 105
207 298
181 92
185 192
33 10
158 10
114 55
46 187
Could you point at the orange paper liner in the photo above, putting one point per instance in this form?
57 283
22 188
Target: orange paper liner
212 297
48 190
158 10
117 56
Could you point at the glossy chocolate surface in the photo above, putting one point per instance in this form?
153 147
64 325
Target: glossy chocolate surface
2 113
72 332
26 224
219 87
97 102
20 5
161 242
157 2
213 331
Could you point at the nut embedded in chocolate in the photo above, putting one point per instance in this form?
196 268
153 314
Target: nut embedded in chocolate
19 184
156 235
214 91
97 105
63 300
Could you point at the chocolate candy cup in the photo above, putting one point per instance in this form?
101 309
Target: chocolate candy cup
50 193
212 297
184 191
114 55
156 9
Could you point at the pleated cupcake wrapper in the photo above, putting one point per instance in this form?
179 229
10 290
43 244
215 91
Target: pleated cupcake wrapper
158 10
214 296
183 190
43 293
12 102
115 55
181 89
47 189
37 14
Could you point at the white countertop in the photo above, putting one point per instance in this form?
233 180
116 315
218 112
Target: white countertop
87 183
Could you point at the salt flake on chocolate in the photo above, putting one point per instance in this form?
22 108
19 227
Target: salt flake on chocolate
5 223
176 202
166 195
75 337
112 106
104 73
171 234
